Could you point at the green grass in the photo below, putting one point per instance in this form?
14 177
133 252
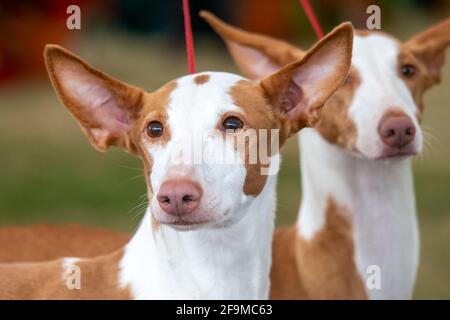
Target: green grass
49 172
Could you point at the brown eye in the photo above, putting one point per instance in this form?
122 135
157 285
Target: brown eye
408 70
155 129
232 124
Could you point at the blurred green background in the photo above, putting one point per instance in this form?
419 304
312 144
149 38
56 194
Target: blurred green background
50 174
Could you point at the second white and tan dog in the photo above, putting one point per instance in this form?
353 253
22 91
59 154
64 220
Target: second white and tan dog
356 235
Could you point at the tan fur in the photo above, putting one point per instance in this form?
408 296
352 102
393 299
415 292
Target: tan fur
259 114
46 280
310 117
324 266
124 96
335 124
48 242
426 52
154 108
201 79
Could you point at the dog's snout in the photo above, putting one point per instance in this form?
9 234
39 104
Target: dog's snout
179 197
397 131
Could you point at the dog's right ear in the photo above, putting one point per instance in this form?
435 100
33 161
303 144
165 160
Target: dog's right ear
257 56
104 107
429 48
299 90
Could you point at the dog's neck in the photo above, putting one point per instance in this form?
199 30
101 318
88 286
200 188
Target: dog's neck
230 262
379 196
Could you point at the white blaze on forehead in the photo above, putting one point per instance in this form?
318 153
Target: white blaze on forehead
199 106
194 112
375 57
195 109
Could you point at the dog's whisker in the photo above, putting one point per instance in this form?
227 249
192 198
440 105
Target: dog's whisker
134 178
131 168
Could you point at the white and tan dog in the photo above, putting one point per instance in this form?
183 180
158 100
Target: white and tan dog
207 233
356 234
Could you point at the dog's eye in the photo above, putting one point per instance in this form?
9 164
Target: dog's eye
155 129
232 124
408 70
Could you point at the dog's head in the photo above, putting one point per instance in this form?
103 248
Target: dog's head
186 132
376 113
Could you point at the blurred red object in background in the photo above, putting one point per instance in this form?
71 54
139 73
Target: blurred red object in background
268 16
25 28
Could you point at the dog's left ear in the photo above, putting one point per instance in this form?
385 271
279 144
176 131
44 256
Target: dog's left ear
429 47
104 107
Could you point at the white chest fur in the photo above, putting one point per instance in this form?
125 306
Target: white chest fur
380 198
230 263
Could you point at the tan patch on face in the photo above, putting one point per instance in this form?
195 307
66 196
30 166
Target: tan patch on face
417 83
45 280
154 109
201 79
285 281
321 268
335 124
47 242
426 52
258 115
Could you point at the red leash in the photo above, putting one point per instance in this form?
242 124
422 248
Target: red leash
189 37
190 40
312 18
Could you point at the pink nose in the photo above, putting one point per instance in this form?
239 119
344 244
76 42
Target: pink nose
179 197
397 131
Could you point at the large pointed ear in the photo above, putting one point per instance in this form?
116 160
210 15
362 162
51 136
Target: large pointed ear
257 56
104 107
300 89
429 47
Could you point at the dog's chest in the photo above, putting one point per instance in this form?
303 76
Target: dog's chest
386 236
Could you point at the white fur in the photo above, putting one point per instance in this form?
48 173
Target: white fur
229 258
379 194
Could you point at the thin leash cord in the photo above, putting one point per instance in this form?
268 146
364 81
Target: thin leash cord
312 17
189 38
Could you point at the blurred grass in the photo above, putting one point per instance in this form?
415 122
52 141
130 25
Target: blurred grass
49 173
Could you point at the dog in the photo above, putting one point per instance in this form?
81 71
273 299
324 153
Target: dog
356 235
207 232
